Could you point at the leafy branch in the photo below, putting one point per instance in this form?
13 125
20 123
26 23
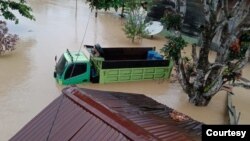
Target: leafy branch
7 8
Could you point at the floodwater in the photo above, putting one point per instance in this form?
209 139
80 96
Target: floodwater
27 84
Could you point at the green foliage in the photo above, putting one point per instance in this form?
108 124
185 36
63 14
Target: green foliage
238 50
242 52
150 3
134 26
105 4
172 21
7 8
132 4
174 47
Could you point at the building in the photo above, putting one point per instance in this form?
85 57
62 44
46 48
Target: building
84 114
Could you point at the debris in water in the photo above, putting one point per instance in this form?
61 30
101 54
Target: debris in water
178 116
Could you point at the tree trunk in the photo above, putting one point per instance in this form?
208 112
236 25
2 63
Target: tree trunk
201 79
198 99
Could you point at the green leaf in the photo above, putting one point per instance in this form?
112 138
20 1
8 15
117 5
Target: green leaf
20 6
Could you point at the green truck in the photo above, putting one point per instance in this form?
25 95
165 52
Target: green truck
106 65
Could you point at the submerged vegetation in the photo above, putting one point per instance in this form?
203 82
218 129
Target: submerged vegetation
135 25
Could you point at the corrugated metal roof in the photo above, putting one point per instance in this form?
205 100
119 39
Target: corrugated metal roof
84 114
149 114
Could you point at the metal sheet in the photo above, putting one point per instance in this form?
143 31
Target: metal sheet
91 115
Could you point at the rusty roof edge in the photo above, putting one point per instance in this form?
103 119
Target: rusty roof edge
122 124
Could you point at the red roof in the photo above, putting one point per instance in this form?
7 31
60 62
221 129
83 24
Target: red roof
83 114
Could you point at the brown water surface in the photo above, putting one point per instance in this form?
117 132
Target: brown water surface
26 75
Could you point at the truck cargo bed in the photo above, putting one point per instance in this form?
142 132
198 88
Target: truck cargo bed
128 64
126 53
134 63
124 57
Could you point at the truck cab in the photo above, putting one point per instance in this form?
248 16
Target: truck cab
72 68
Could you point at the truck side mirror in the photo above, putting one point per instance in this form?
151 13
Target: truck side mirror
55 58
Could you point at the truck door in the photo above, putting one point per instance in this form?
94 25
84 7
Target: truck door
77 73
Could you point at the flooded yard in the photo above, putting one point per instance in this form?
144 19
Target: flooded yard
27 83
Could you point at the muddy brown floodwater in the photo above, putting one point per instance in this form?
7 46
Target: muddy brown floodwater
26 75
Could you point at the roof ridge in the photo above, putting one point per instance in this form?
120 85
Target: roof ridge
109 116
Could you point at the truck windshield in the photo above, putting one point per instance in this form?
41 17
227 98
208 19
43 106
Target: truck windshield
60 65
